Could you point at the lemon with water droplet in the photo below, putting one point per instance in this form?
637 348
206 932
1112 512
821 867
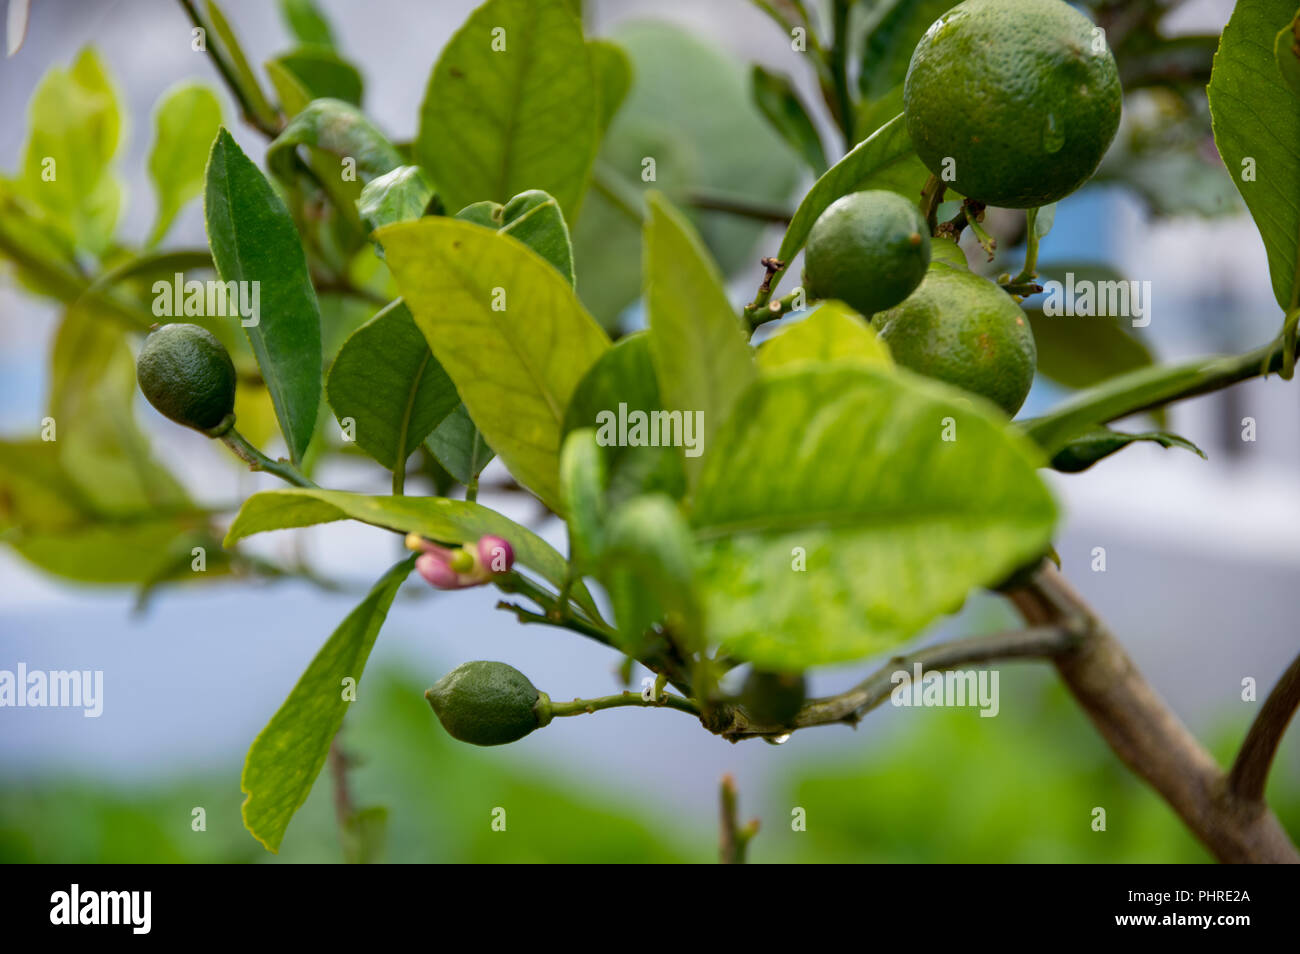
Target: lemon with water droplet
1017 99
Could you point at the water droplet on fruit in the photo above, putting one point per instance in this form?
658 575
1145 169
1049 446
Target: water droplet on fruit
777 739
1053 134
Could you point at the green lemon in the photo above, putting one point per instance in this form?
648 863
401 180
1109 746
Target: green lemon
187 374
1016 100
773 698
868 249
965 330
488 703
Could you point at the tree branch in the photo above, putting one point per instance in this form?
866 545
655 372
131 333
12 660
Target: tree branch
1146 734
1250 770
849 708
734 840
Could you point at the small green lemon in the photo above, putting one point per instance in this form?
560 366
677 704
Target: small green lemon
488 703
1015 100
868 249
965 330
187 374
773 698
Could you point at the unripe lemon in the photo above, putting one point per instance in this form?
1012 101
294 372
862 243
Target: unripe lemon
965 330
868 249
187 374
773 698
1012 102
488 703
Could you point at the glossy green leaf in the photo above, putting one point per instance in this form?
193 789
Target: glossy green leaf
1286 51
535 219
701 356
288 754
396 196
322 74
1078 351
244 77
1257 129
681 83
648 570
834 332
507 328
612 71
253 239
835 521
622 383
307 22
74 128
459 446
185 123
776 99
1094 445
496 121
338 127
387 381
438 518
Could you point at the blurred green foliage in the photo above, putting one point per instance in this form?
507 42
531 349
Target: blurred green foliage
916 785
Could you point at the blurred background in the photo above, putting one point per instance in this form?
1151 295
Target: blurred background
1202 557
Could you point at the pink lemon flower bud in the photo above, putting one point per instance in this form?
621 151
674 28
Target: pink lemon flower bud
461 567
495 554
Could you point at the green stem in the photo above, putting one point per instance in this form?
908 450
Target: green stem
1031 250
931 196
664 700
471 489
1148 388
712 201
256 460
757 314
250 113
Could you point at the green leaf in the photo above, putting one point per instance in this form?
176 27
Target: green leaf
625 375
1094 445
681 84
535 219
701 356
888 146
244 77
459 447
892 33
75 124
1080 351
776 99
337 127
185 123
396 196
507 328
583 481
834 332
438 518
288 754
1257 129
321 73
495 121
1044 219
1286 50
386 379
612 71
835 521
306 22
647 567
253 239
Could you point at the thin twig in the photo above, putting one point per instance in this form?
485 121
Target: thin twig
1250 770
740 206
734 840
